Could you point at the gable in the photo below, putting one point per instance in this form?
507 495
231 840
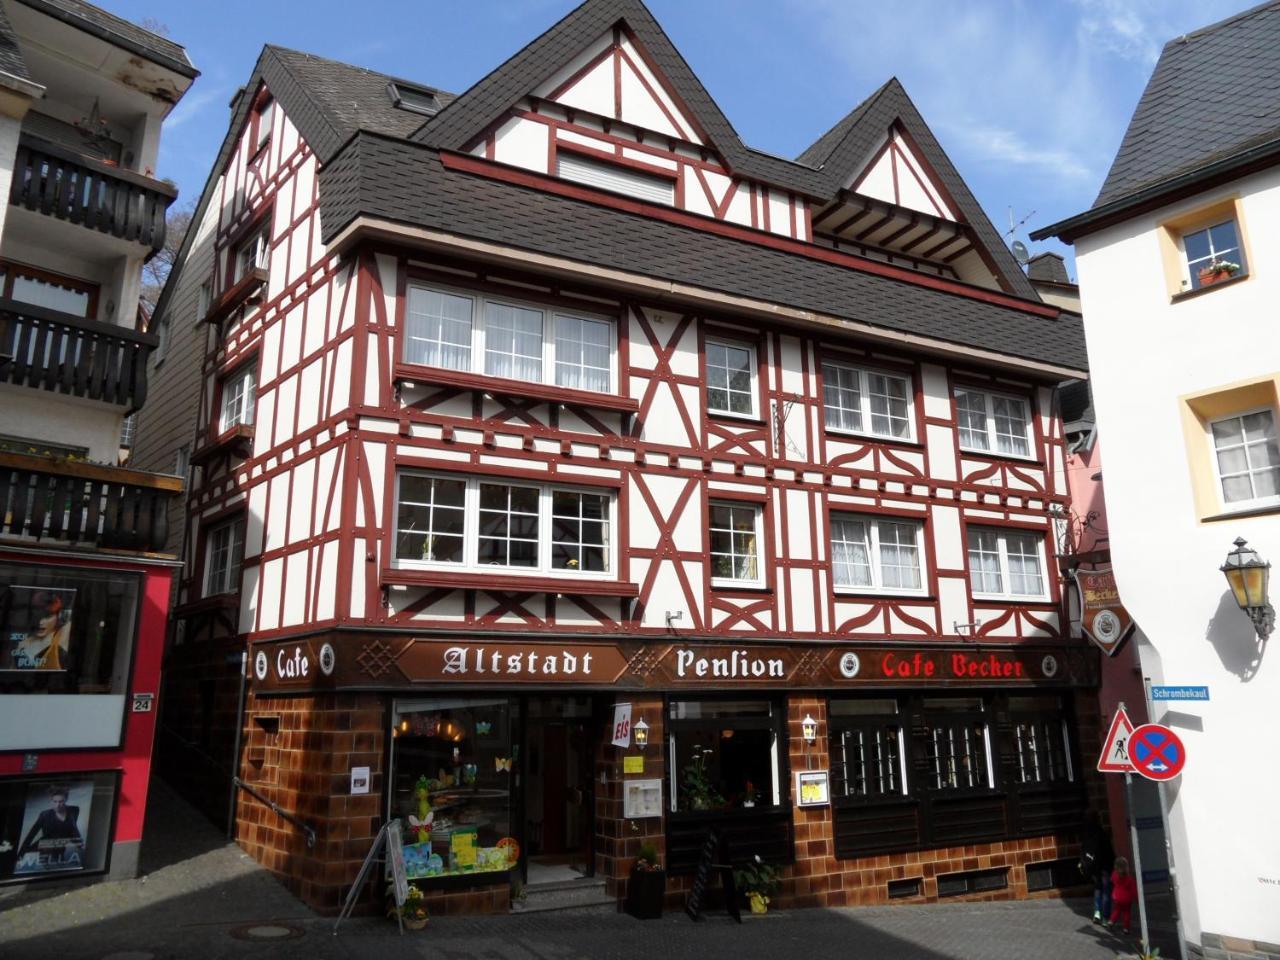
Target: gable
896 174
612 78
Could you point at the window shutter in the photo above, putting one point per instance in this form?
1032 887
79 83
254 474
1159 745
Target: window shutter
616 179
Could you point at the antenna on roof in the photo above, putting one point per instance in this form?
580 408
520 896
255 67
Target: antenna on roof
1013 227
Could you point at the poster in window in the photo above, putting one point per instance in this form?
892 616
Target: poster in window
813 788
37 627
54 828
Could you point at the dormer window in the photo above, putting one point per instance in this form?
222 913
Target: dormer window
617 178
413 99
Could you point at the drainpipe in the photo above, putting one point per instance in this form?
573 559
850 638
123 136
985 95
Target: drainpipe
235 754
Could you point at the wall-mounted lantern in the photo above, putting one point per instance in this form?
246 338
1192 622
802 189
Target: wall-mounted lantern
641 733
1248 575
809 728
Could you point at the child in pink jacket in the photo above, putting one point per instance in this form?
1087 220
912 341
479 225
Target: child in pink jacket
1124 891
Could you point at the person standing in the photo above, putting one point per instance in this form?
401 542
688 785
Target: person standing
1097 858
1124 891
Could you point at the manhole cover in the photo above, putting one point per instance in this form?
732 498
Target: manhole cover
266 931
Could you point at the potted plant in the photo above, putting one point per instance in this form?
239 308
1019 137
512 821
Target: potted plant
758 881
414 912
699 792
1217 270
647 885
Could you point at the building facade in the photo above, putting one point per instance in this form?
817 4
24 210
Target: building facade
84 579
1174 262
552 409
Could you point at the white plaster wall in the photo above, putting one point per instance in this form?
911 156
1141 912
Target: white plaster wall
1145 353
42 415
9 130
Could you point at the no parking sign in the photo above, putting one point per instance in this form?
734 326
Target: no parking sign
1156 752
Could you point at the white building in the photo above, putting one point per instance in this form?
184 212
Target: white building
1185 364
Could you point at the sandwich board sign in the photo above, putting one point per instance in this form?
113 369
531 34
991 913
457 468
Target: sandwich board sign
1115 749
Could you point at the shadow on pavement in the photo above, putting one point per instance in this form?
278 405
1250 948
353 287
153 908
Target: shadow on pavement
198 889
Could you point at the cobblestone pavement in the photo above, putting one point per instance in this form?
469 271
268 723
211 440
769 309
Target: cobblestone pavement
198 892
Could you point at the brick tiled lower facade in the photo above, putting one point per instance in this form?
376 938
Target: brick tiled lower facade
298 752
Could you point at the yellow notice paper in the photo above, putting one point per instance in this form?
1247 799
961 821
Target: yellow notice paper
633 764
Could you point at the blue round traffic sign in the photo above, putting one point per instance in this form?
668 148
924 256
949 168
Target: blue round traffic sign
1156 752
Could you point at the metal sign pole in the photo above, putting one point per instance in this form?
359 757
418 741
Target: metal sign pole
1137 854
1168 846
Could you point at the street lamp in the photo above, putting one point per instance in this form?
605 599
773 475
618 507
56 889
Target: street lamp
641 733
1247 574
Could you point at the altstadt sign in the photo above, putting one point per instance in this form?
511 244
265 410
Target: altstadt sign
380 662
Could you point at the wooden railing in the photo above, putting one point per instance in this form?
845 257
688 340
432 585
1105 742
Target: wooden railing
59 351
55 180
43 499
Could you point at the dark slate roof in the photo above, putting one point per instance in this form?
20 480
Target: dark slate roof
330 100
130 36
11 61
818 152
407 183
1049 267
1212 91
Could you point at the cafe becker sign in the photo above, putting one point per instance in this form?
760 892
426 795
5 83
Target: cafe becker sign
355 661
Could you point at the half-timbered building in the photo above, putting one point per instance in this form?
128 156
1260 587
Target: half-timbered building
551 411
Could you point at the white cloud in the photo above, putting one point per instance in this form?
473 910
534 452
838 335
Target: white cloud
1000 144
192 104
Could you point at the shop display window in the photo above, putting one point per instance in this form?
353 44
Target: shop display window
724 755
453 761
66 642
953 745
868 755
54 827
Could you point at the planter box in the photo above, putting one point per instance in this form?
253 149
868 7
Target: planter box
645 892
1209 279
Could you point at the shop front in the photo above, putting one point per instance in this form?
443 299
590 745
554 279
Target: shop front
864 773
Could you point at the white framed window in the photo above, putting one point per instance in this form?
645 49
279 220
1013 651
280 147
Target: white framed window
993 422
616 178
224 551
237 400
735 543
731 378
500 337
480 523
263 119
254 251
1212 250
861 400
204 300
1247 458
1007 564
876 554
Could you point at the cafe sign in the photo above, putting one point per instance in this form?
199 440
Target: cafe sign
353 661
1102 617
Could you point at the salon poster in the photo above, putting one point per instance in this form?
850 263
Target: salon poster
54 828
37 625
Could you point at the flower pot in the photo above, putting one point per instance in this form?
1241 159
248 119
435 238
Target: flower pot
645 892
1209 279
415 923
758 902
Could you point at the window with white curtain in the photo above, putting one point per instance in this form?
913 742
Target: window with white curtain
993 422
1247 457
1006 563
237 400
483 523
503 338
876 554
867 401
731 378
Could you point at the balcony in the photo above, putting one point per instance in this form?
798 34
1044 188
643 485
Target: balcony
51 179
86 504
50 350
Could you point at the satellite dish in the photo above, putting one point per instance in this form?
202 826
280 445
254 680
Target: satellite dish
1020 252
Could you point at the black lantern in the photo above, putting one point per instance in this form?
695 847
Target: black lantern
1248 575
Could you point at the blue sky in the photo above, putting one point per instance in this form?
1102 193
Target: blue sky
1030 99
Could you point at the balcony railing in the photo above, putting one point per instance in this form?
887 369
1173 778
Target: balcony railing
88 504
51 350
52 179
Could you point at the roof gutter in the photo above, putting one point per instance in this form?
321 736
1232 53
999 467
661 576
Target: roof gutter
377 229
1143 201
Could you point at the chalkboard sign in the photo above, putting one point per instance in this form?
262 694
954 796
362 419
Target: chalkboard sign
388 839
714 849
395 857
